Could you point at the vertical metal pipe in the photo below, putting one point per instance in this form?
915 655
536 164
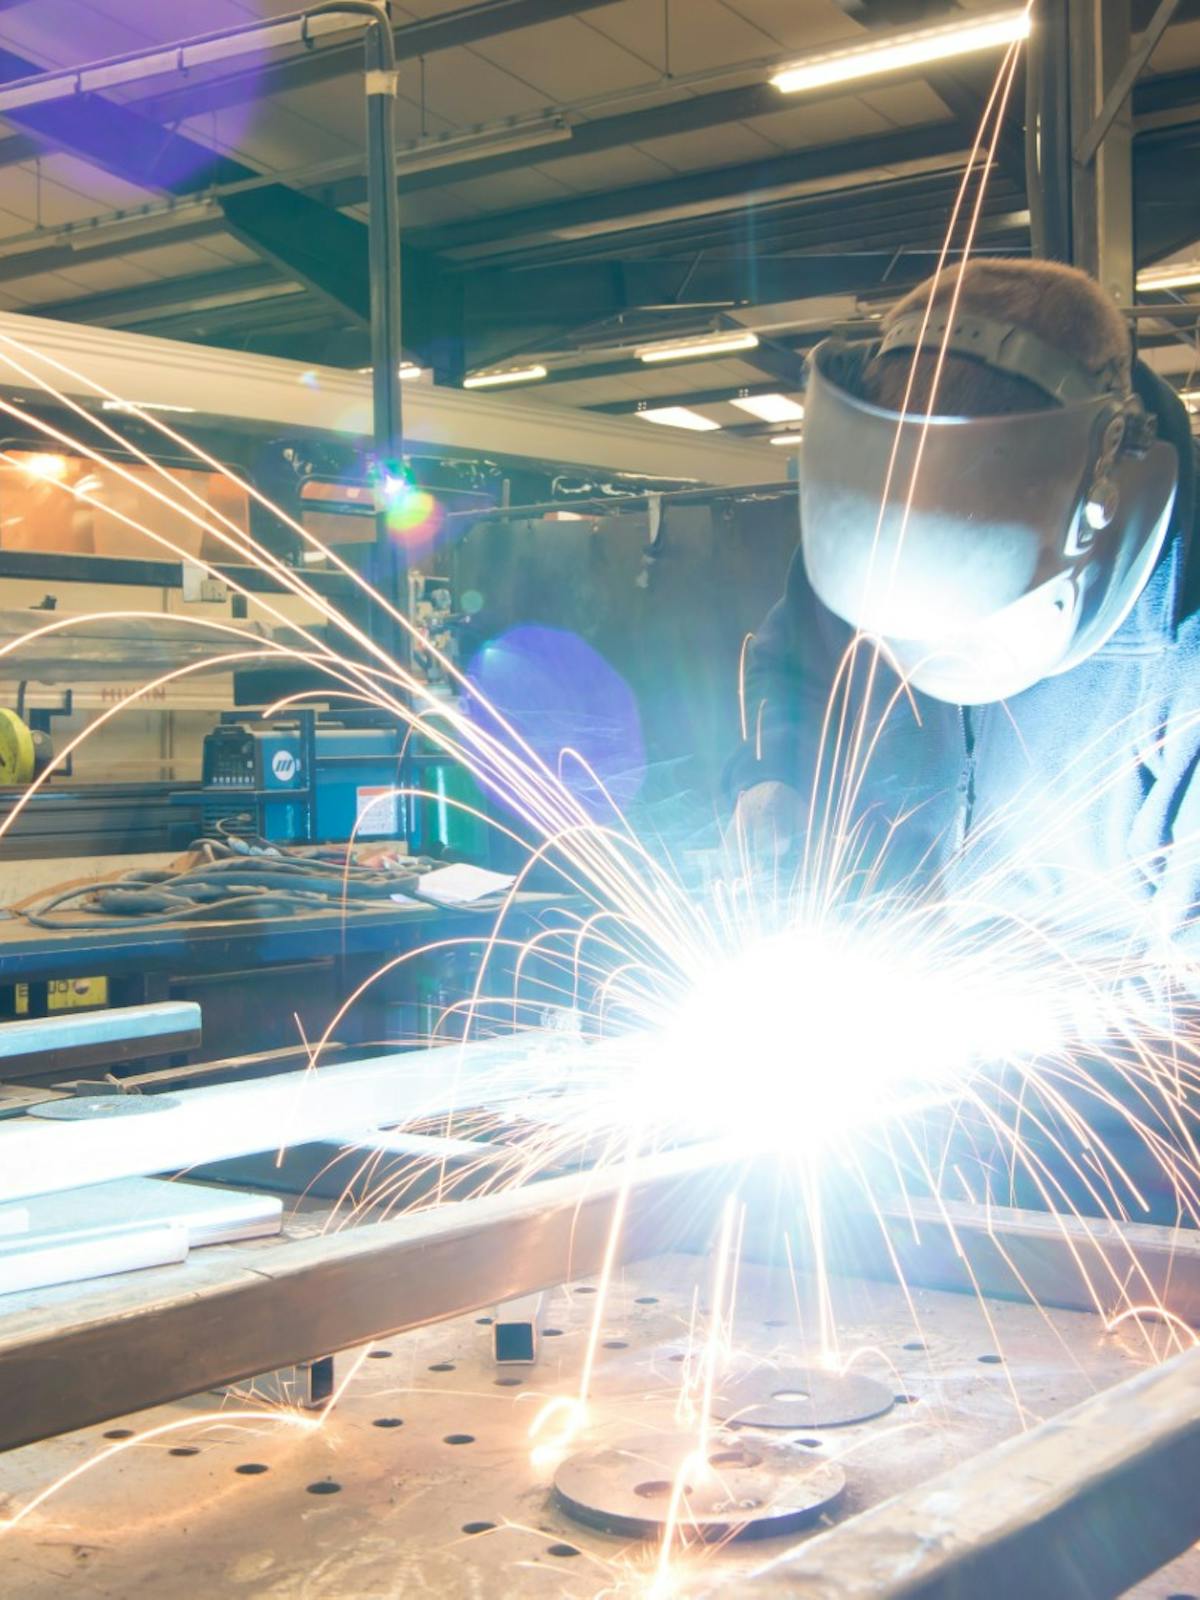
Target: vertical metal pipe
388 567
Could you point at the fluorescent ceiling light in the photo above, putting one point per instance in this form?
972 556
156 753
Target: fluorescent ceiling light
910 48
679 417
489 380
1180 275
1191 399
141 405
408 370
705 344
786 438
770 407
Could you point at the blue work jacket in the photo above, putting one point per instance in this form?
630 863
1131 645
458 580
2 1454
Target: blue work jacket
1076 801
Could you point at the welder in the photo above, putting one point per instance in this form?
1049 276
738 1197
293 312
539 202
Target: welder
997 503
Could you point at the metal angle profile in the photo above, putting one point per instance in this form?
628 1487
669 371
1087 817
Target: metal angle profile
144 1342
1087 1503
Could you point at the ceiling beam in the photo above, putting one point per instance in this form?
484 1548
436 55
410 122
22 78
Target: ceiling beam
117 140
79 250
470 25
725 186
473 24
148 302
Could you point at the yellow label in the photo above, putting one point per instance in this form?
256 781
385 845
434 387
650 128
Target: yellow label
76 994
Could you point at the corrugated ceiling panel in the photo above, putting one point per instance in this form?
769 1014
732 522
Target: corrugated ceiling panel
905 104
713 147
608 169
798 125
508 190
798 24
704 34
566 60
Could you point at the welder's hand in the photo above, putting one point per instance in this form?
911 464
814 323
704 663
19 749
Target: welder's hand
768 820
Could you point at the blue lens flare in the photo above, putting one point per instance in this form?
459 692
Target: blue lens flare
562 695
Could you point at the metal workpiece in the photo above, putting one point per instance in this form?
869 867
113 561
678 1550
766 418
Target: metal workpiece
434 1473
94 1038
799 1397
727 1487
235 1313
1084 1505
344 1100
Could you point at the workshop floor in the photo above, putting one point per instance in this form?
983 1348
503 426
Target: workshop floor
423 1480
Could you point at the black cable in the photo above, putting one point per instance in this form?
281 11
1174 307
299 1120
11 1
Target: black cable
237 879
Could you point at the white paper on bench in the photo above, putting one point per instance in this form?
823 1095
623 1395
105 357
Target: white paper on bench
207 1215
41 1263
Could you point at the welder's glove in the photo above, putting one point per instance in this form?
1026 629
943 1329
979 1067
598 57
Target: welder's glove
769 820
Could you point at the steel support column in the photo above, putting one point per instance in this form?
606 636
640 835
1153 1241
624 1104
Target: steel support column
1102 187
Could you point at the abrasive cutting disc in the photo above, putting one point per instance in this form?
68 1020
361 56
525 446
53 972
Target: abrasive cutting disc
740 1488
799 1397
90 1107
17 750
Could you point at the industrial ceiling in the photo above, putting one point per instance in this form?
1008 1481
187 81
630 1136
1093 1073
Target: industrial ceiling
578 178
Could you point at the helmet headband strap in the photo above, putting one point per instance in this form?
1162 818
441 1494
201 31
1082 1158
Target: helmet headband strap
1005 347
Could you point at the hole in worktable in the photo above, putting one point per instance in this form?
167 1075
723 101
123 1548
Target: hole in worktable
380 1355
990 1360
184 1450
388 1422
119 1433
442 1366
646 1300
775 1322
677 1358
563 1550
252 1469
459 1438
551 1333
904 1399
732 1458
585 1288
616 1344
507 1383
326 1486
915 1344
478 1527
484 1322
658 1489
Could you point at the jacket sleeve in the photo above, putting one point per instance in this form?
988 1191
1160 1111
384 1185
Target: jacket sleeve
789 667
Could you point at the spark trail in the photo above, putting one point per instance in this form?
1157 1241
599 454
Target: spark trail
845 1029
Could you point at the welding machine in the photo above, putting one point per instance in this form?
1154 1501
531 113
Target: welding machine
308 779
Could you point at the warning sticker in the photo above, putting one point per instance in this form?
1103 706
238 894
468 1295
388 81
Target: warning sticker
377 812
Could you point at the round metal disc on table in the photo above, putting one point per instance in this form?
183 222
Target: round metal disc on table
743 1489
90 1107
800 1397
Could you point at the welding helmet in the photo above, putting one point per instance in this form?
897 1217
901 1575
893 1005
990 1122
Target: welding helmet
988 552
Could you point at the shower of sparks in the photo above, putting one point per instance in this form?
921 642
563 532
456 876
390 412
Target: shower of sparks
849 1030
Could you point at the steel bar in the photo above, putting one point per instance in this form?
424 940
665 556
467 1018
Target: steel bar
156 1339
97 1038
1081 1508
345 1102
1071 1262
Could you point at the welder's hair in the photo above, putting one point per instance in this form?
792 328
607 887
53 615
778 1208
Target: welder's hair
1060 304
